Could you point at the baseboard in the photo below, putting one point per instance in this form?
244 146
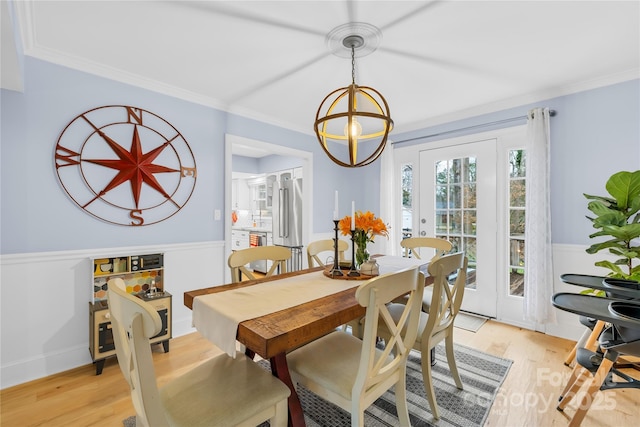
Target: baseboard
40 366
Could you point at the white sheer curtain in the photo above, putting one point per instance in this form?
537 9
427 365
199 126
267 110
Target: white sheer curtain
538 278
388 202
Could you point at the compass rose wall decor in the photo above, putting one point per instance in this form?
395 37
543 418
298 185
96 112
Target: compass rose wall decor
125 165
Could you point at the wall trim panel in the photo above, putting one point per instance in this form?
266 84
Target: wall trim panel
44 300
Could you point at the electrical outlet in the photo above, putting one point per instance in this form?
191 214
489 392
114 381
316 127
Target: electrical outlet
216 214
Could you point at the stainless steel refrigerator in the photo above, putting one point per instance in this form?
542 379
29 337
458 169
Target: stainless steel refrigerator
287 212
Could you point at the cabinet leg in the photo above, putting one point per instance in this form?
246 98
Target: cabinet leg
99 366
165 345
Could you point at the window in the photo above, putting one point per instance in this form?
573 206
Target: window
517 180
407 200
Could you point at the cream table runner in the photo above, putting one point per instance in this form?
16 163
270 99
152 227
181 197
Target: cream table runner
217 316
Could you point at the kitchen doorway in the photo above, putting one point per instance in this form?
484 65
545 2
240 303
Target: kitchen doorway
247 147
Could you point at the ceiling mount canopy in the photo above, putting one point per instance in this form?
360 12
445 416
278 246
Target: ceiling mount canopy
356 115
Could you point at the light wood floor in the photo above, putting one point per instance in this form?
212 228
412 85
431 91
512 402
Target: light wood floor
527 398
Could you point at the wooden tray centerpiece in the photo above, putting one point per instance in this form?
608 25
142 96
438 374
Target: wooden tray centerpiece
345 273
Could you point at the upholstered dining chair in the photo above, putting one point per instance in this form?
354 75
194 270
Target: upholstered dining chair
437 325
353 373
412 246
238 260
219 392
314 249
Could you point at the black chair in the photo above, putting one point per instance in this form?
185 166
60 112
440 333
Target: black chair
620 337
594 327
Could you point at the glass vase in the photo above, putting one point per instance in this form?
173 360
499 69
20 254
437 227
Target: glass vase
362 254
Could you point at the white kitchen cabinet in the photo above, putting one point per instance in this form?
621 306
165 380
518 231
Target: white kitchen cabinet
258 191
259 197
239 239
271 179
240 194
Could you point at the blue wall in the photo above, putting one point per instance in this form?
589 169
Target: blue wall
595 134
36 215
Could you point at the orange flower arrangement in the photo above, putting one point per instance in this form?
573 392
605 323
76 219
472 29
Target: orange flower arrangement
367 226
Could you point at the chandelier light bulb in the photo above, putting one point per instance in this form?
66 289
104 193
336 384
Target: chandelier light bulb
355 131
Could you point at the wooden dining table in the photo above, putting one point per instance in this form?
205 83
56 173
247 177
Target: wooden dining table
272 335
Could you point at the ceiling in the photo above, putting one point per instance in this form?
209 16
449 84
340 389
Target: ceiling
436 61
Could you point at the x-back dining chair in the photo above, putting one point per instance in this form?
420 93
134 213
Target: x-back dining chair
437 325
314 249
353 373
238 260
219 392
411 246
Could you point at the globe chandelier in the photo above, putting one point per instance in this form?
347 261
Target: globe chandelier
352 123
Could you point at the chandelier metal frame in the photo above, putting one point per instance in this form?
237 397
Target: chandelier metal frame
376 108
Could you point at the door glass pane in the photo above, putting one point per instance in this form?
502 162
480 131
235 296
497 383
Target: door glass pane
516 163
455 201
441 172
470 247
455 197
470 195
470 170
470 222
455 170
516 193
441 196
517 214
441 223
516 222
455 222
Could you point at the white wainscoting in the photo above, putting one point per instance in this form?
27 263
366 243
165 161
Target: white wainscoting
572 259
44 300
566 259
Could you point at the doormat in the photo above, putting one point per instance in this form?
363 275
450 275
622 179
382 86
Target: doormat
482 375
469 322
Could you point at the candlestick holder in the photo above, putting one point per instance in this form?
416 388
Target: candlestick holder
353 272
335 271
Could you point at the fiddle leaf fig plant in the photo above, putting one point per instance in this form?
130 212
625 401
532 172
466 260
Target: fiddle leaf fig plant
618 218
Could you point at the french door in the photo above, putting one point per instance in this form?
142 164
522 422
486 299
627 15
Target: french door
458 202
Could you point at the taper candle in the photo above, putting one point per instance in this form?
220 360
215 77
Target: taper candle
335 207
353 215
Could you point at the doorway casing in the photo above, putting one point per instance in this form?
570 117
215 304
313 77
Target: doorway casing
307 185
